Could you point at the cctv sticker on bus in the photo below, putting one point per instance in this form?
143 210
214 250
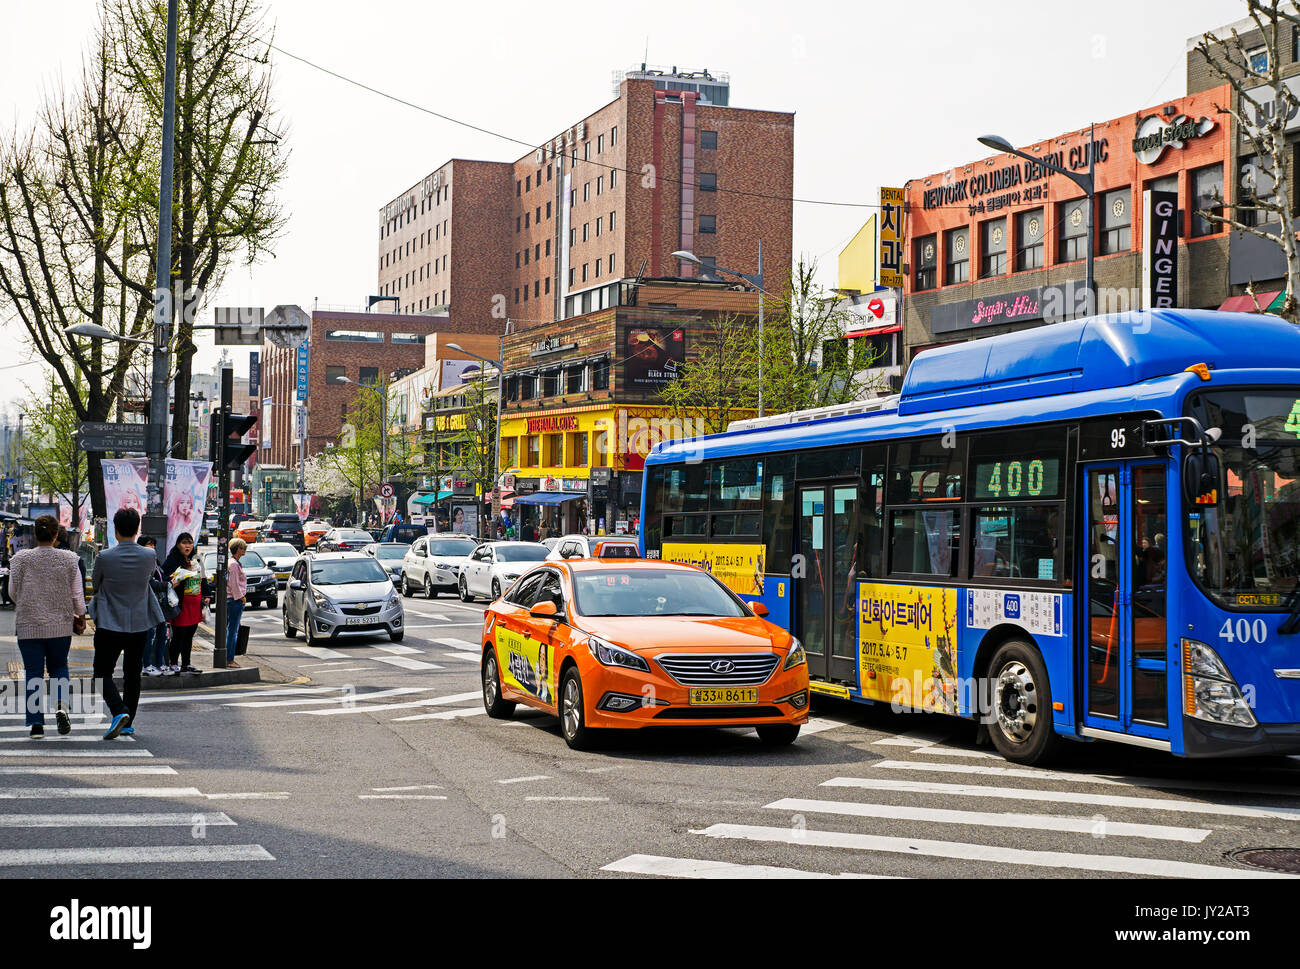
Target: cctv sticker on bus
907 640
527 664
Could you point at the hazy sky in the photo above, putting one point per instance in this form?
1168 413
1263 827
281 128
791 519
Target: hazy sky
881 93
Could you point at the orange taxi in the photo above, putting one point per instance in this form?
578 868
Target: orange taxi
247 530
312 531
633 643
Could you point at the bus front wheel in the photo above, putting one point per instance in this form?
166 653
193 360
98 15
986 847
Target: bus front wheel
1020 718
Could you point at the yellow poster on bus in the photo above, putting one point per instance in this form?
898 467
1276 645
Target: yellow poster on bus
907 637
738 567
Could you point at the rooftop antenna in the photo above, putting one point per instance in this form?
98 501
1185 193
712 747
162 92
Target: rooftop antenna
646 60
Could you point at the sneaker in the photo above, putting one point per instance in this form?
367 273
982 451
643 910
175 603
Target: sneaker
37 731
120 722
127 732
152 671
171 670
190 669
64 721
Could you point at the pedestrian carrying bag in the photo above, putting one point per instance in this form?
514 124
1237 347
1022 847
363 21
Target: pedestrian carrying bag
241 641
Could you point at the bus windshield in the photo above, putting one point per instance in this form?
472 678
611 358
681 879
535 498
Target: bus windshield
1246 551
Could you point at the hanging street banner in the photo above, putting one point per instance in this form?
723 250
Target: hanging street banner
185 495
126 485
254 374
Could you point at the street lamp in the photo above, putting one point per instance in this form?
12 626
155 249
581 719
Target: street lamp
383 425
1085 182
496 477
98 332
755 280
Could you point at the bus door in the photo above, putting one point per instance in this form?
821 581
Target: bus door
826 595
1124 595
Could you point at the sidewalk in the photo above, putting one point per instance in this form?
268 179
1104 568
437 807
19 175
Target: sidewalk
81 661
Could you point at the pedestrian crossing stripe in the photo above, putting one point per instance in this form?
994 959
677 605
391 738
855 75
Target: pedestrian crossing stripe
133 855
700 868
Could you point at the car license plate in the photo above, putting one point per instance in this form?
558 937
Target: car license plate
702 697
361 620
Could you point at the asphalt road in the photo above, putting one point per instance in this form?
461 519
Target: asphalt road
370 759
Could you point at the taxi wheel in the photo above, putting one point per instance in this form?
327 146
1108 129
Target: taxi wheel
778 734
1020 722
497 708
572 721
289 631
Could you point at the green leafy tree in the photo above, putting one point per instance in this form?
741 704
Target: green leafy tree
718 382
477 440
50 449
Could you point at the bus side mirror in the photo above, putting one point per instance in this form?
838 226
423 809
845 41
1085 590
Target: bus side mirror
1201 476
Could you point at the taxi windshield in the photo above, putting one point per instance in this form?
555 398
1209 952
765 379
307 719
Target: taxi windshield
1246 550
652 592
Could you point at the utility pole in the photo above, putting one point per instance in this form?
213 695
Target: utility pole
156 521
227 451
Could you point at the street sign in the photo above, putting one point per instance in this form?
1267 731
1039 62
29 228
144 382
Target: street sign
302 372
386 490
286 326
238 326
102 436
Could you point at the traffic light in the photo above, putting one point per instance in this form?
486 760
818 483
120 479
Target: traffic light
233 452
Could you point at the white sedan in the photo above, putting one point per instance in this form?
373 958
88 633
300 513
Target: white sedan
434 563
492 566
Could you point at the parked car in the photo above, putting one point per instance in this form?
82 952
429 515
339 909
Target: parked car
493 566
334 594
389 555
284 527
344 540
589 546
405 532
313 530
433 563
262 589
279 558
588 640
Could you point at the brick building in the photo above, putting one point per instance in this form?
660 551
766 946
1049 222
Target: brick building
363 347
999 244
666 165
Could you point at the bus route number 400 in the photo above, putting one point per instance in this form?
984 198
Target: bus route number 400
1246 631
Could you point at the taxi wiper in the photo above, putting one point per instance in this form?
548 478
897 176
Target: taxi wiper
1291 624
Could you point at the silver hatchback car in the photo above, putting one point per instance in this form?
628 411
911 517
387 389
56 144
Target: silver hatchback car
337 594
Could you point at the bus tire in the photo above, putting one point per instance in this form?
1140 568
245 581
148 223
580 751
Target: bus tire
1020 720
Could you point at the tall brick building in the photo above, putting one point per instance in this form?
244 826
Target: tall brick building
667 165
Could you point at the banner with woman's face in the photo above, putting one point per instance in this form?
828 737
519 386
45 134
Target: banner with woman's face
126 485
185 494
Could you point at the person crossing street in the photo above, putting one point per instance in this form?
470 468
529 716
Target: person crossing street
236 589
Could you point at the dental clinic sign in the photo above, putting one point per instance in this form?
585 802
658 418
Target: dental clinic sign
1159 249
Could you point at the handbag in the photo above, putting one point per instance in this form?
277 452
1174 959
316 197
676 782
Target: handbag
241 641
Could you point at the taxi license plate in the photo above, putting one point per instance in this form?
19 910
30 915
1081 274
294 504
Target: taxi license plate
360 620
710 697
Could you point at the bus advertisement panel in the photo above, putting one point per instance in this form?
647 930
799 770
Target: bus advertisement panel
738 567
907 636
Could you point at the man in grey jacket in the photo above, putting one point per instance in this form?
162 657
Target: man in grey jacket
124 609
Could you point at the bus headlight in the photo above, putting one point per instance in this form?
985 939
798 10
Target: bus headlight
1209 691
796 656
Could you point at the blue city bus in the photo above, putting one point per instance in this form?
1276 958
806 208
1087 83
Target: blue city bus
1089 530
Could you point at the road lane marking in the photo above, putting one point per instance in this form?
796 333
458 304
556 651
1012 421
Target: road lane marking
85 770
346 669
375 708
347 697
524 780
135 855
816 725
408 787
460 644
40 793
249 796
1035 822
398 650
536 797
1038 774
1067 797
444 625
467 657
402 797
185 820
700 868
918 738
938 751
446 715
47 752
923 847
287 691
64 739
320 652
405 662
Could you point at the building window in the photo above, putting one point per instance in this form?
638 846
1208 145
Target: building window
600 185
957 247
1207 193
355 336
369 376
408 337
586 231
600 375
517 256
993 248
578 450
334 375
597 267
708 181
611 263
708 224
570 278
1116 217
586 151
533 458
537 252
1029 240
613 136
548 210
925 257
528 183
573 197
512 452
548 247
709 140
1073 220
573 238
584 272
599 220
527 215
1257 58
537 288
516 295
519 188
546 289
613 177
548 172
611 222
525 292
551 384
573 380
600 144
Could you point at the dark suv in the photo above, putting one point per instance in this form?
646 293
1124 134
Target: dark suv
285 528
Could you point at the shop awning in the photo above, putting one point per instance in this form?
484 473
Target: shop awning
1244 304
549 497
430 498
874 331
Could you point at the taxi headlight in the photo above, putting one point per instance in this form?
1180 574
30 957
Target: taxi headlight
610 655
796 656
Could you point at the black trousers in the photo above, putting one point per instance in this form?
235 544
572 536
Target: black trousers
179 647
109 645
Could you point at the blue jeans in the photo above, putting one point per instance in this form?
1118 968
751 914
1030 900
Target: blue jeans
155 646
234 613
37 655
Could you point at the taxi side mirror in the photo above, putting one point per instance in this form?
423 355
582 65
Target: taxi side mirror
759 609
545 610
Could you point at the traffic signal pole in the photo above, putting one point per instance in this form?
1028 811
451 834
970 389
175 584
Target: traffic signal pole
223 525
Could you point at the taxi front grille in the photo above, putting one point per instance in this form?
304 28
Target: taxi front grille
726 669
